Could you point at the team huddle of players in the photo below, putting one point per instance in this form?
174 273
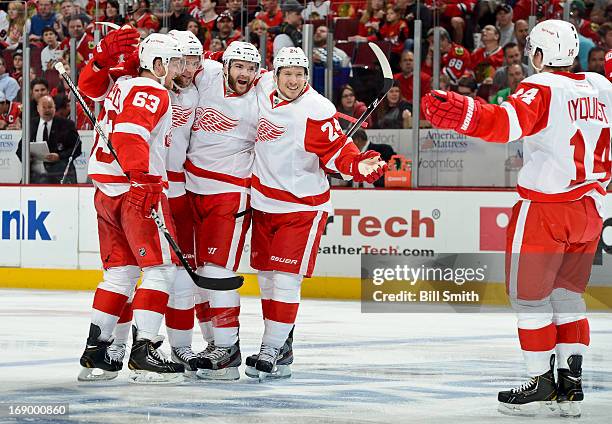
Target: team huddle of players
213 148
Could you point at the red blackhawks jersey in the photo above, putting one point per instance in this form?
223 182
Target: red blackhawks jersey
12 114
84 47
183 105
137 116
455 63
564 121
220 155
297 142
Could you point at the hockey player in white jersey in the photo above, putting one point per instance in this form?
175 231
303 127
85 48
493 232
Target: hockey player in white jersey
298 141
218 179
137 116
184 99
564 121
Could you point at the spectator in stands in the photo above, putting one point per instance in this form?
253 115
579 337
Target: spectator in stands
521 31
111 13
288 33
68 10
84 42
39 89
271 14
319 8
453 14
18 67
225 30
347 104
395 31
179 17
596 60
14 39
61 136
515 75
44 17
16 13
605 33
394 112
456 59
584 26
257 29
512 55
347 8
207 15
410 14
216 45
8 85
360 138
405 77
371 21
202 33
487 59
52 51
62 96
10 114
319 52
467 86
239 11
142 17
503 21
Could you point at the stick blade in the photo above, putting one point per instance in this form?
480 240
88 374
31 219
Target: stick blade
219 284
382 59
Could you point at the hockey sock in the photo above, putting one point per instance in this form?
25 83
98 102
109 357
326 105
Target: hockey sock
224 307
151 300
179 314
281 309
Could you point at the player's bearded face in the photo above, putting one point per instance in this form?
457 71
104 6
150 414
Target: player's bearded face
291 81
241 75
192 64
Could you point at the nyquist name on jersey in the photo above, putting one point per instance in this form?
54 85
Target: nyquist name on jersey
587 108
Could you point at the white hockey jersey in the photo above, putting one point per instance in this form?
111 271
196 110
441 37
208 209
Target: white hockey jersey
296 142
564 120
183 105
220 155
137 117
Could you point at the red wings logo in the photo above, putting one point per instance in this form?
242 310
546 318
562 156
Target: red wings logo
211 120
180 116
267 131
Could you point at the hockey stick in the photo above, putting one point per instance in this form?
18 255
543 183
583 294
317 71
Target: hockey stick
387 84
230 283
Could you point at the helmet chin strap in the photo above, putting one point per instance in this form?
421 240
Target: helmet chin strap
163 77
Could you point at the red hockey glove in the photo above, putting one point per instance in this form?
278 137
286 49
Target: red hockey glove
145 192
450 110
120 41
216 56
367 167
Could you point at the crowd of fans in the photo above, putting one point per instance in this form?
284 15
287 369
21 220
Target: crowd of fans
482 43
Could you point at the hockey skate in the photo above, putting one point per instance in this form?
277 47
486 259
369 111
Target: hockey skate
221 363
536 397
184 355
101 361
281 368
149 365
569 387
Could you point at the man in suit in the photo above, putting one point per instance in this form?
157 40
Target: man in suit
61 137
360 138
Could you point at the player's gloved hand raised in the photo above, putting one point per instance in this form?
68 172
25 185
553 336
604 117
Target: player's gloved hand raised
450 110
145 192
368 167
120 41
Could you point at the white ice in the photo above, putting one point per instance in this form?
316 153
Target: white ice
349 368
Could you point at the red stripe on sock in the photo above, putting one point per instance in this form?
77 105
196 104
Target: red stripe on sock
109 302
265 307
150 300
202 311
574 332
225 317
127 314
281 311
538 340
179 319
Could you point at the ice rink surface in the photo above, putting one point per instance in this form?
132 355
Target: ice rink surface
349 368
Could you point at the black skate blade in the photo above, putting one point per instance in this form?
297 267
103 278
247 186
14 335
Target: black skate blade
219 284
